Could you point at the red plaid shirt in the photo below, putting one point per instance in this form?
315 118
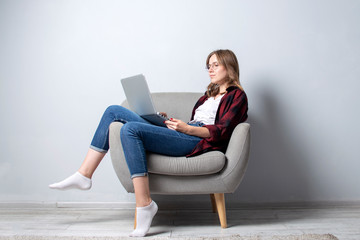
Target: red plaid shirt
232 110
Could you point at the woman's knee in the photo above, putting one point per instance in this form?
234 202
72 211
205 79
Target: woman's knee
115 111
113 108
129 129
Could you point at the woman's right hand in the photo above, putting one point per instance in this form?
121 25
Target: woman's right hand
177 125
180 126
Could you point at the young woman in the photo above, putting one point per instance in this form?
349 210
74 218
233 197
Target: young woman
214 117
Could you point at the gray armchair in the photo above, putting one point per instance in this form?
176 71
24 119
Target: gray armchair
211 173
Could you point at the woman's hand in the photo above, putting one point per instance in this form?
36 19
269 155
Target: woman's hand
180 126
177 125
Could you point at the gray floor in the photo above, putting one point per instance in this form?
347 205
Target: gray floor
342 221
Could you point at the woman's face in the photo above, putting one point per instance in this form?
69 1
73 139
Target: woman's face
216 71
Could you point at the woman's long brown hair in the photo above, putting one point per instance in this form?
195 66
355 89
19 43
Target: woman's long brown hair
227 59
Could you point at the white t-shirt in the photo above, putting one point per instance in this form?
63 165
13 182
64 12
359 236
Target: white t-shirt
206 113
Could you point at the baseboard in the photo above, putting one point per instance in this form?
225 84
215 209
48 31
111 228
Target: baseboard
188 205
118 205
304 204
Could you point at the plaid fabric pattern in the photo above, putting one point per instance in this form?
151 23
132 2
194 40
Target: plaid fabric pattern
232 110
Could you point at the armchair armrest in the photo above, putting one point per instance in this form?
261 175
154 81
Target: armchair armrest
118 158
237 155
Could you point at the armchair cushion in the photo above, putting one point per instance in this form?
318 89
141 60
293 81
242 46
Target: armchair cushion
207 163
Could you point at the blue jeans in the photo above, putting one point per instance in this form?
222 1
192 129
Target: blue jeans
139 136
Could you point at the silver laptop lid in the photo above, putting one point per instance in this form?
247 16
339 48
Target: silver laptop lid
138 95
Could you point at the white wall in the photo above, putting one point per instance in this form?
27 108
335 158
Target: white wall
61 61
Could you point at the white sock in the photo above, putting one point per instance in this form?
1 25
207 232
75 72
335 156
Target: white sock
144 217
75 181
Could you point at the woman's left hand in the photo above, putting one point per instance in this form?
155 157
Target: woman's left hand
177 125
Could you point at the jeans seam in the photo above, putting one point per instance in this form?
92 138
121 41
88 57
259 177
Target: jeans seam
180 135
107 135
142 156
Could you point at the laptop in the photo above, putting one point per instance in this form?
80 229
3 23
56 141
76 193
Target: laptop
138 96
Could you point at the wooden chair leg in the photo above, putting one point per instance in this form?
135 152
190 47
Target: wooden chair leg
135 220
213 203
220 206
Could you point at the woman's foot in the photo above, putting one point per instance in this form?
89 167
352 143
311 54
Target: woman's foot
144 217
75 181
